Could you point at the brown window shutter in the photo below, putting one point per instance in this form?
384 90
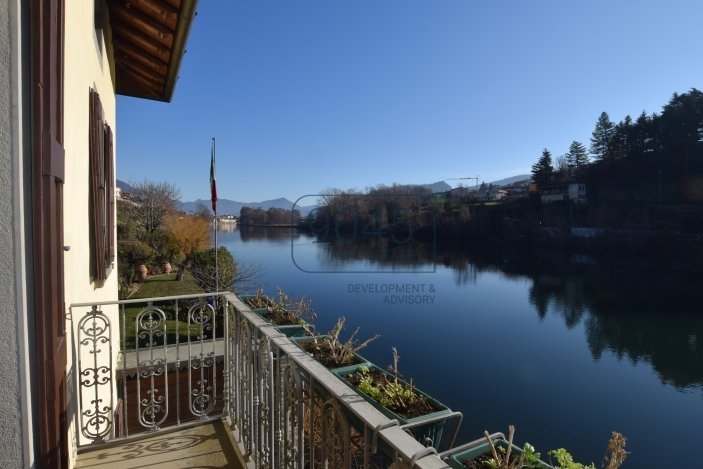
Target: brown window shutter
97 187
110 184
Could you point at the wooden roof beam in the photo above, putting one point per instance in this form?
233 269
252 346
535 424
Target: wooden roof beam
133 15
155 78
148 43
157 90
160 7
143 56
125 32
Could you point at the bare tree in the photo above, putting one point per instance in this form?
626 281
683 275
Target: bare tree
154 201
562 168
203 211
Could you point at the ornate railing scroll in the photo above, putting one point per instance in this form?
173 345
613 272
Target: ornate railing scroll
160 365
150 327
202 360
336 436
95 373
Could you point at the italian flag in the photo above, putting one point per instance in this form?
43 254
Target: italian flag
213 180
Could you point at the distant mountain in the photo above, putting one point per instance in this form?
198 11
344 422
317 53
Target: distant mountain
232 207
501 182
124 187
510 180
439 186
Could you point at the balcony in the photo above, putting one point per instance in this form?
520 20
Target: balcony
202 377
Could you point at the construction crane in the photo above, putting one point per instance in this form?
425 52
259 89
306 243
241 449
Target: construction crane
469 177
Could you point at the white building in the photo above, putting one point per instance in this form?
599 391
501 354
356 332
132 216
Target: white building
575 192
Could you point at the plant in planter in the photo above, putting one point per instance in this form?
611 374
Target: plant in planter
289 316
503 457
566 461
423 416
330 350
393 393
615 455
259 300
495 452
287 312
283 311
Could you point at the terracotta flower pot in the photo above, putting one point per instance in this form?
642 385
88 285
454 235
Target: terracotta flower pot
167 267
142 271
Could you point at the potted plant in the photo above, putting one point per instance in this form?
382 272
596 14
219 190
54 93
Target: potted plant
258 300
495 452
289 316
398 399
142 272
330 350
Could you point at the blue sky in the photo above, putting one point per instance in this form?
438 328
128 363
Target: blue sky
305 95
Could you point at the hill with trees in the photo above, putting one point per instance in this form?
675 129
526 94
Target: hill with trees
654 159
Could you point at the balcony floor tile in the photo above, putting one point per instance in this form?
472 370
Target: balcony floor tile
203 446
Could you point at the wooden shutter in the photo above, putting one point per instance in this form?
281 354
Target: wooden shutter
97 187
47 179
110 205
102 192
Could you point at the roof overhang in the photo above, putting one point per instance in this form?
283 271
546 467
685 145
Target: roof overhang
148 40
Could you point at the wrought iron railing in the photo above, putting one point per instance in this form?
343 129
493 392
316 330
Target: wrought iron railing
185 359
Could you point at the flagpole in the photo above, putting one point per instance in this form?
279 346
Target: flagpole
217 272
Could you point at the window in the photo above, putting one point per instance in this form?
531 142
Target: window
102 192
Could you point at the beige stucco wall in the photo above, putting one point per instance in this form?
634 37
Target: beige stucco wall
86 66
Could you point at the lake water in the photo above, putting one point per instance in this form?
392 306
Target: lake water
566 347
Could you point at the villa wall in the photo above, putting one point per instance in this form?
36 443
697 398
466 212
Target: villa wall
86 66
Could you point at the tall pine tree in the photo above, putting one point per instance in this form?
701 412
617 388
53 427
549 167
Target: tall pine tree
543 171
601 137
577 156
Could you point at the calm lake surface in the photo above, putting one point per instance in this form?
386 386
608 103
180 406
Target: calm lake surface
566 347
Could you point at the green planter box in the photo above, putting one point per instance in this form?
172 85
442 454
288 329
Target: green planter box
429 434
458 460
247 298
307 339
292 331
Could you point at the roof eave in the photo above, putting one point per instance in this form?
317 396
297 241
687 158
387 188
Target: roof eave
185 21
155 79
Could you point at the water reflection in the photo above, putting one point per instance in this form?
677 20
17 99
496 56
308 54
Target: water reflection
631 309
268 233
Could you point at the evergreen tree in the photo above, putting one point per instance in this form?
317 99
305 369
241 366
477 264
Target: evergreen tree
577 156
601 137
543 171
680 128
621 142
640 134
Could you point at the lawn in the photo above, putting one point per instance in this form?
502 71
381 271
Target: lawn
167 285
159 286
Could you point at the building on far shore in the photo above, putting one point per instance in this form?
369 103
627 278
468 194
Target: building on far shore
573 191
227 218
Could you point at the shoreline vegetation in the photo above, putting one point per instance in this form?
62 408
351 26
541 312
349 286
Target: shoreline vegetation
643 193
268 225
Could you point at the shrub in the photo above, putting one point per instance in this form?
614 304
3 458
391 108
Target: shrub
202 268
